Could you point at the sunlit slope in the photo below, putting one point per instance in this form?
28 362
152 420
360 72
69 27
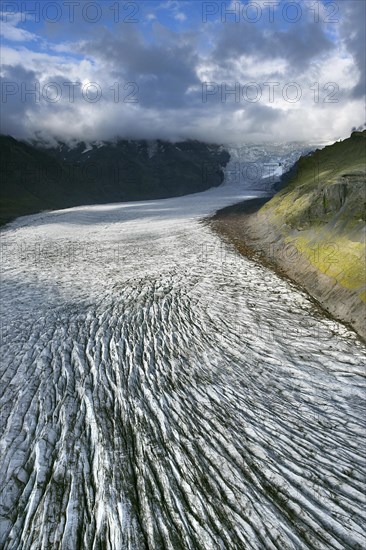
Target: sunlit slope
322 211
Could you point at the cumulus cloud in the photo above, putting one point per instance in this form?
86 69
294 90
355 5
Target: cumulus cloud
214 81
9 29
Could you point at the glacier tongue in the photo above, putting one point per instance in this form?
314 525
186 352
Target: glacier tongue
159 391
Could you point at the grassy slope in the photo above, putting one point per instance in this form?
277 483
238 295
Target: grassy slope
322 211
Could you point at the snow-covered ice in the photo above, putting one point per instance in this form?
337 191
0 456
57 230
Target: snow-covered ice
160 391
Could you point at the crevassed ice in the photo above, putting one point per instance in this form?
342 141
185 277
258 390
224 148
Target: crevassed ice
160 391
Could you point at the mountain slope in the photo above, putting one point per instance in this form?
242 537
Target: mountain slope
30 180
314 228
37 178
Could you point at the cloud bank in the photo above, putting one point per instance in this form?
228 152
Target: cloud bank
213 71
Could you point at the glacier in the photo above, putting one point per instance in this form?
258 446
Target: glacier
159 391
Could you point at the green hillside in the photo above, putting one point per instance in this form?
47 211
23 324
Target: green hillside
322 211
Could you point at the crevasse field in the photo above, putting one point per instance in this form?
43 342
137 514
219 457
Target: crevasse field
158 391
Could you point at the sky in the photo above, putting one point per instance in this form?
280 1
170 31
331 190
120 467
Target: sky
223 72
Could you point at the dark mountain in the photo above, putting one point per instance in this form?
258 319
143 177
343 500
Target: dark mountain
36 178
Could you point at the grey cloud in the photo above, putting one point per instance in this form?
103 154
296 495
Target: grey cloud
163 71
353 29
298 45
13 110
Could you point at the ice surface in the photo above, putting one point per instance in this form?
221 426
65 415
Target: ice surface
159 391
